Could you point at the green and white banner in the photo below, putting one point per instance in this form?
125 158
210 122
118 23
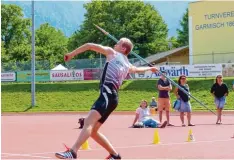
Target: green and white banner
26 76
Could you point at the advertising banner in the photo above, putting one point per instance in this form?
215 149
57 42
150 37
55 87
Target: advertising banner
200 70
40 76
8 77
67 75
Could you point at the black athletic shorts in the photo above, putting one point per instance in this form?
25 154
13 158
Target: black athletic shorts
106 102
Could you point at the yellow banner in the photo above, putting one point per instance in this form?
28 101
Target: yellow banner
212 31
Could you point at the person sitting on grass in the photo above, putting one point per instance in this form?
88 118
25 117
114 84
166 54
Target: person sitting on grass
153 103
143 116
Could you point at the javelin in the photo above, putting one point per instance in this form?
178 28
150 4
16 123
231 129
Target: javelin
150 65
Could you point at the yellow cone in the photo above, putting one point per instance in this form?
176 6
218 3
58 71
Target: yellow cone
156 137
190 136
85 145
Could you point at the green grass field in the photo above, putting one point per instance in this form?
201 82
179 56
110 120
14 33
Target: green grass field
79 96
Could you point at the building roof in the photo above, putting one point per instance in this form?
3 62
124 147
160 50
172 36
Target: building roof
158 56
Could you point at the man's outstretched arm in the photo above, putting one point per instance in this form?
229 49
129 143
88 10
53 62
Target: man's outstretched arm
89 46
134 69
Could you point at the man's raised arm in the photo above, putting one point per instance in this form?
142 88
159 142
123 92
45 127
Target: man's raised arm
89 46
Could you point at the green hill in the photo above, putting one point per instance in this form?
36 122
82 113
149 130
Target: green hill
79 96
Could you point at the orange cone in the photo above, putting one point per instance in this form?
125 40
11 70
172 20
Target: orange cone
153 111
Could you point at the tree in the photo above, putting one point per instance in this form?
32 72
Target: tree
51 44
183 33
173 43
132 19
15 33
4 57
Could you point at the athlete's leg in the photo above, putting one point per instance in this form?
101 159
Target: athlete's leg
102 140
89 123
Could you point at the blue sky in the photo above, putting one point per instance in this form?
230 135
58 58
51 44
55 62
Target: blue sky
172 12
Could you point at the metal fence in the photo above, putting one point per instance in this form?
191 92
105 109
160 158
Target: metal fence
24 66
211 58
47 65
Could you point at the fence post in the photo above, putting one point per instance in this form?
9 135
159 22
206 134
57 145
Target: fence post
213 56
33 59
